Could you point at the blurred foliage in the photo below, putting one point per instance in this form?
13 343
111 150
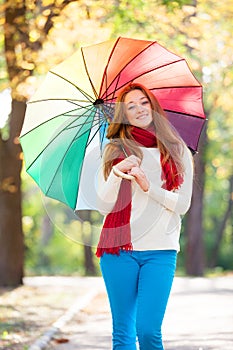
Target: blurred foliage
200 31
54 235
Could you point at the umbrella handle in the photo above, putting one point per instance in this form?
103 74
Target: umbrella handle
124 151
119 173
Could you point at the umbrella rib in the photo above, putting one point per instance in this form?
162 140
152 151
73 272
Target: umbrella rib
85 123
80 106
105 76
163 88
58 99
183 113
46 121
90 106
96 117
85 65
102 137
105 110
76 125
83 133
105 73
74 138
41 152
115 89
68 81
176 87
92 137
84 155
138 76
67 127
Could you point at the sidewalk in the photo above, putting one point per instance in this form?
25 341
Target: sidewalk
199 317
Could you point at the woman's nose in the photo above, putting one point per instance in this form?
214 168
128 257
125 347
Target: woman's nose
140 107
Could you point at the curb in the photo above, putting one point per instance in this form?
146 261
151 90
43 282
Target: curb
80 304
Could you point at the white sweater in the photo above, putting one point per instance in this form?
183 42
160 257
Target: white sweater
156 214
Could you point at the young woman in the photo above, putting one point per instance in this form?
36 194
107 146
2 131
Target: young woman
144 187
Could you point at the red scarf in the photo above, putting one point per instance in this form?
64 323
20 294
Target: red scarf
116 233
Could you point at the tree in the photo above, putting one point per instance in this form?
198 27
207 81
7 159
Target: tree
222 225
87 224
194 254
11 235
216 28
23 38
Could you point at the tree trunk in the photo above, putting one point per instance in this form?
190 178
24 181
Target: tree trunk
11 234
220 232
18 47
85 216
194 252
47 231
90 269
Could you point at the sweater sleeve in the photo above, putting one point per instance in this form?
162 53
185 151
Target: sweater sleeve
177 201
107 192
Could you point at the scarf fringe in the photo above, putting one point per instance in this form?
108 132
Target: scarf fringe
115 250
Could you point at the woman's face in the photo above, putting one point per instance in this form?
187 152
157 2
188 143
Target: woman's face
138 109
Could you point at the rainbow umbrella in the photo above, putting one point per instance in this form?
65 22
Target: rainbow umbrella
66 119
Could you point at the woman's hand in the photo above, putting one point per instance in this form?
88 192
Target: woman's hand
140 178
128 163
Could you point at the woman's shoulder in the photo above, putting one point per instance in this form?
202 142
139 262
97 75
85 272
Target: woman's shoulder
187 158
187 152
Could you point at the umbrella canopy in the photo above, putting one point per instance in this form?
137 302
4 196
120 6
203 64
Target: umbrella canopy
68 115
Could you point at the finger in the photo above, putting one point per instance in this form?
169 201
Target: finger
135 160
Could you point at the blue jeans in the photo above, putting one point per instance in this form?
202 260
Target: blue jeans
138 284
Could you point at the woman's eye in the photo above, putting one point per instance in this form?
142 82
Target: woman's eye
131 107
145 102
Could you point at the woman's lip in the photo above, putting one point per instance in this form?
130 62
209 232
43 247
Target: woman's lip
141 116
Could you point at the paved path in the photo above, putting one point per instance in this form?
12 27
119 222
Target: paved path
199 317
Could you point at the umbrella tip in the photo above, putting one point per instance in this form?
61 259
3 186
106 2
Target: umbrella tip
99 101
